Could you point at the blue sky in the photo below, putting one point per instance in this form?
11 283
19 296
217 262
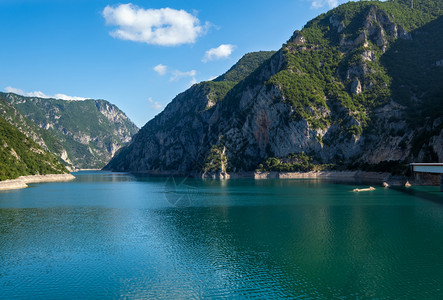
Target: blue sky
138 55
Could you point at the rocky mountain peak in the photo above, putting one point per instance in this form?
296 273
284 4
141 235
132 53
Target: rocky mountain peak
297 38
332 93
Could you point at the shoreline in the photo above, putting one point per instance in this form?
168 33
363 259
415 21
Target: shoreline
23 181
383 178
333 175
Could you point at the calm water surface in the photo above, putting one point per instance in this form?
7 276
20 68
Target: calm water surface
108 235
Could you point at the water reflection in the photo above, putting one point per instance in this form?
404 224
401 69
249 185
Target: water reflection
120 236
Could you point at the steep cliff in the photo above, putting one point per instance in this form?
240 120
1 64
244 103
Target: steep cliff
83 134
359 85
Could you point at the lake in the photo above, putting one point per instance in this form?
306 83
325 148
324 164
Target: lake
114 235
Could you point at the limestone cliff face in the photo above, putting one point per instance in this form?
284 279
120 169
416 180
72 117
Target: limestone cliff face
340 90
172 140
83 134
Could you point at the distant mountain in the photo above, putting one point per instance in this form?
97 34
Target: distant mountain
20 155
357 87
83 134
43 137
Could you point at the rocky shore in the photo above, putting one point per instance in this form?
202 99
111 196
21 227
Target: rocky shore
385 179
23 181
324 175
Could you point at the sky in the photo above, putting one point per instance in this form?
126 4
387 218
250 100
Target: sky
137 55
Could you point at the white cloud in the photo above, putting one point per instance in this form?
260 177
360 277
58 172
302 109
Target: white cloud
10 89
315 4
66 97
40 94
154 104
222 51
160 69
164 26
177 75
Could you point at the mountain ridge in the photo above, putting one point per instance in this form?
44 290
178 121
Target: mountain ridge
330 93
83 134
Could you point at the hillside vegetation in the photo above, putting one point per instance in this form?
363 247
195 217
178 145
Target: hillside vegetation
20 155
356 87
366 45
83 134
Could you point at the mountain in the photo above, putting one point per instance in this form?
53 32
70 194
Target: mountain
83 134
245 66
357 87
168 140
31 130
20 155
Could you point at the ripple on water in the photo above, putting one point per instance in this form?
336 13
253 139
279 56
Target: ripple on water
278 239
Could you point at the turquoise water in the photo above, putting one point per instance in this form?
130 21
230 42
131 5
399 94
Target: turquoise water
108 235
